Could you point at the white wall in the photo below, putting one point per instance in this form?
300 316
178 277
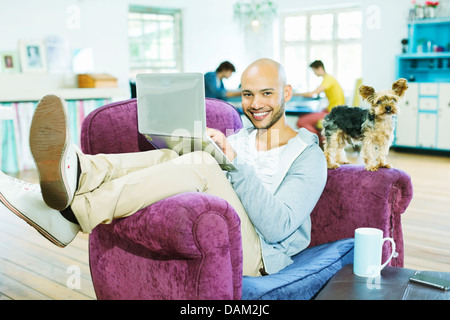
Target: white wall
103 28
210 34
384 28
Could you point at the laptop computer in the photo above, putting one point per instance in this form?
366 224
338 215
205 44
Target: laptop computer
172 114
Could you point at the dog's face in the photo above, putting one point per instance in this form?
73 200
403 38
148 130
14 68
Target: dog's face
385 102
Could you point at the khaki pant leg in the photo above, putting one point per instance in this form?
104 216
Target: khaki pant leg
100 168
120 192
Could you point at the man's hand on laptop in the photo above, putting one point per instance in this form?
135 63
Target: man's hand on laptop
219 138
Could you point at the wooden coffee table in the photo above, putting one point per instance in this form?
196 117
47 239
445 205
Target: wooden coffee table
393 284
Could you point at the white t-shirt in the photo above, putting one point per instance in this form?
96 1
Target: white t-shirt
266 163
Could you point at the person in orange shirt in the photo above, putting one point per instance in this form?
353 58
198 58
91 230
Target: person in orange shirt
334 93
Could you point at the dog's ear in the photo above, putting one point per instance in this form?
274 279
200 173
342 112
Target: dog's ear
400 87
367 93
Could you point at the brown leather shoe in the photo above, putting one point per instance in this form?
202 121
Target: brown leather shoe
54 155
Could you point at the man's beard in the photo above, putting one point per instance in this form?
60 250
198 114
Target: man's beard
275 117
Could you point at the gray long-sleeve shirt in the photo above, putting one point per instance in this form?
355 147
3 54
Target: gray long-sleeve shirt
281 214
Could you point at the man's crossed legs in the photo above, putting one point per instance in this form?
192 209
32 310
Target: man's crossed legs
78 191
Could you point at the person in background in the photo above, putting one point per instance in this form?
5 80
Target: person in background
214 87
334 93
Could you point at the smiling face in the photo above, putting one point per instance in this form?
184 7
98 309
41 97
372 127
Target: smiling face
264 94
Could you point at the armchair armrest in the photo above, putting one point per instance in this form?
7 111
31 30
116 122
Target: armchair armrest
192 237
355 198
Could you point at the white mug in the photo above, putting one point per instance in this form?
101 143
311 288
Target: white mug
368 250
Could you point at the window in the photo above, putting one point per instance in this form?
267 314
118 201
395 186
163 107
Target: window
333 36
154 39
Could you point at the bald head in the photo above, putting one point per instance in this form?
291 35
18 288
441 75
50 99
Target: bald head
265 68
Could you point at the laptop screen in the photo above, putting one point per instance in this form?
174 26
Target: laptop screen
171 104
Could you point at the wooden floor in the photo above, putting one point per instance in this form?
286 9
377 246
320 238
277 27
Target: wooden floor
33 268
426 223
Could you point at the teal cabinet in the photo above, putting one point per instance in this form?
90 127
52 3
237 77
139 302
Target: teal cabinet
429 35
428 56
430 67
424 121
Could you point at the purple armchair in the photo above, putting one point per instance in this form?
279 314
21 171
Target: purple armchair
189 246
355 198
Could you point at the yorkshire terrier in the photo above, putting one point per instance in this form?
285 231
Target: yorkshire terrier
373 127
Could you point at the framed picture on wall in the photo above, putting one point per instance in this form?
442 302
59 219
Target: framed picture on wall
32 56
9 62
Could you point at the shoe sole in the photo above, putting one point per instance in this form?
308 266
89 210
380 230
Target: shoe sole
42 231
48 144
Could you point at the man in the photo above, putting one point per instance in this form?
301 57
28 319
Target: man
214 87
333 92
279 177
